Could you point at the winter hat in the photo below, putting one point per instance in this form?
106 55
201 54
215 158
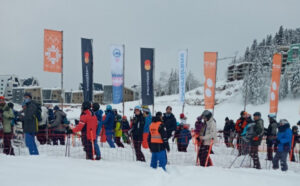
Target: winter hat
257 114
138 108
124 117
182 116
56 107
226 119
2 98
298 122
28 94
86 105
108 107
158 114
96 107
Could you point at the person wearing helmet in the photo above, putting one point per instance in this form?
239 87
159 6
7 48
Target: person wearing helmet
58 127
210 133
108 125
258 132
125 129
137 131
98 112
88 125
148 121
271 136
241 123
118 129
295 140
284 142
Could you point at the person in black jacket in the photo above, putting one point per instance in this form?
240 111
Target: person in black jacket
137 131
227 132
271 136
158 142
169 121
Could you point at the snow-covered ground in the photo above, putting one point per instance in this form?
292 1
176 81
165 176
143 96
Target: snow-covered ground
119 168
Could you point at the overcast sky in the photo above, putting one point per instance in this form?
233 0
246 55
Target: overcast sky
225 26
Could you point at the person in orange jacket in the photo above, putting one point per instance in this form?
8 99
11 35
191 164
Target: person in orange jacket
241 123
87 124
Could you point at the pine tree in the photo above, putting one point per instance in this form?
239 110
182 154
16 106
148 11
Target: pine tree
284 87
295 83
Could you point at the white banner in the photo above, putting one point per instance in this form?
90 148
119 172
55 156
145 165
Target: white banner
182 59
117 65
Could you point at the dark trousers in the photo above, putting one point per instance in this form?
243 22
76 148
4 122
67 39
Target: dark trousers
226 141
282 156
203 153
8 149
89 150
181 147
293 155
58 136
254 156
138 152
42 134
271 147
118 142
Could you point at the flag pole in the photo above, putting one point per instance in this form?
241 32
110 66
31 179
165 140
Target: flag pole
215 83
123 104
153 80
62 73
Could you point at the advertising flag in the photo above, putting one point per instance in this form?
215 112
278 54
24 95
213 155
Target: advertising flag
52 51
210 70
276 72
147 68
117 72
182 59
87 68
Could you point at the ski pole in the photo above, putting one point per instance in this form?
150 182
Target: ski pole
209 150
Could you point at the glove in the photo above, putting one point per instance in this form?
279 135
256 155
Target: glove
69 131
256 138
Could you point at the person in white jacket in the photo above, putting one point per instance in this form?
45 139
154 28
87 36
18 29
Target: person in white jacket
206 140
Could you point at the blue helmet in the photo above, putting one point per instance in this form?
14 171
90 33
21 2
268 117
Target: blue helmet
272 116
108 107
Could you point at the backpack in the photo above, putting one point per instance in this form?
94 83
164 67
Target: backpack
65 120
38 113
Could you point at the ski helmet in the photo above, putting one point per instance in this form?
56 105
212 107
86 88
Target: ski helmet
257 114
272 116
108 107
96 107
295 128
138 108
207 114
298 122
86 105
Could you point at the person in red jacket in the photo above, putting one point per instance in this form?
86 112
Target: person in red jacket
241 123
87 124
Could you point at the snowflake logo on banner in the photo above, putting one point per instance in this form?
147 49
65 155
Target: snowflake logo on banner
53 54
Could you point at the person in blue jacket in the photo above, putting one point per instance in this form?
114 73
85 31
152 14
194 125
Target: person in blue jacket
98 112
148 121
284 141
109 124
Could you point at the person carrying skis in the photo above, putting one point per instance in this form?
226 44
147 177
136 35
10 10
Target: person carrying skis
258 132
148 120
271 136
98 112
137 131
109 124
169 121
205 140
158 142
284 143
88 123
7 116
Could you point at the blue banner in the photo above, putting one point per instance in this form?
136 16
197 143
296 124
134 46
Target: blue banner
117 72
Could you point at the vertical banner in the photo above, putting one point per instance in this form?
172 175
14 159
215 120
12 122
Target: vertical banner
276 72
147 65
52 51
182 59
87 68
210 72
117 72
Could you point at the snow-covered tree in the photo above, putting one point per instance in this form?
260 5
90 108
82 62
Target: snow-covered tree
295 82
284 86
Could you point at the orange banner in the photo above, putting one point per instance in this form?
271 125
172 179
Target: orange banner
276 72
52 51
210 70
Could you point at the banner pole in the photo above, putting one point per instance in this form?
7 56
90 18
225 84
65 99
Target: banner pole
123 104
62 72
215 83
153 80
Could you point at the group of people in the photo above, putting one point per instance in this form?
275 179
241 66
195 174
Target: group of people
51 126
249 133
